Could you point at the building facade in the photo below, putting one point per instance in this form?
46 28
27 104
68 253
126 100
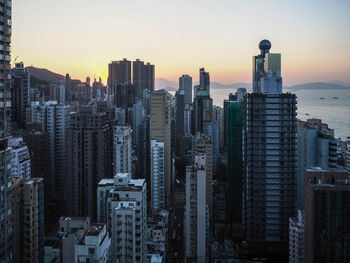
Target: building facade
160 130
122 149
316 147
269 193
235 123
185 84
122 202
296 238
28 218
90 151
94 246
143 77
196 211
211 129
118 72
204 80
5 78
158 196
20 94
327 228
204 146
21 163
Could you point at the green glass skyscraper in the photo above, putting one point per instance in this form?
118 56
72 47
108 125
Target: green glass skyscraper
234 175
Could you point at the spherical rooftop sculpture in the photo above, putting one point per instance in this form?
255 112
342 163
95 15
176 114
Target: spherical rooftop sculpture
265 45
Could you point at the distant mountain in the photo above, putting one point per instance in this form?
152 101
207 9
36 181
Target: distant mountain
218 85
168 85
42 75
34 81
46 75
317 85
165 84
347 84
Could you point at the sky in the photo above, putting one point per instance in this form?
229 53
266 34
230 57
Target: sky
81 37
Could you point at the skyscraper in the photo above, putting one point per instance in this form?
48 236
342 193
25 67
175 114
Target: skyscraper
6 220
143 77
28 217
160 131
20 94
204 146
218 116
33 220
202 110
158 196
140 135
269 156
185 84
231 99
327 228
204 81
118 72
317 147
5 77
211 129
91 151
56 123
179 120
68 88
124 96
235 121
196 211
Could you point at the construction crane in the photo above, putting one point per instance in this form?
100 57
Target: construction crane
14 62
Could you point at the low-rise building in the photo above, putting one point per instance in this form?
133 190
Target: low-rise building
93 246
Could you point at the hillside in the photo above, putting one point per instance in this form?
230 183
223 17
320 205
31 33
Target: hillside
45 75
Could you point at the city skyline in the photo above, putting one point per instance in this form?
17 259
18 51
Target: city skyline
185 39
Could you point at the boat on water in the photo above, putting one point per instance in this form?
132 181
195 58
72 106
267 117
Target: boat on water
307 114
335 98
321 98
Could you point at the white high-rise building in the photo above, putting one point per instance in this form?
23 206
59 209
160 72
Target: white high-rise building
20 163
122 150
296 238
157 176
123 221
125 210
196 211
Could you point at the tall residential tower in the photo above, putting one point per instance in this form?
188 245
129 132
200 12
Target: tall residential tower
269 194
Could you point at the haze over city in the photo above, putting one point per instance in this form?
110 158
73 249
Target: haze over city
81 37
136 131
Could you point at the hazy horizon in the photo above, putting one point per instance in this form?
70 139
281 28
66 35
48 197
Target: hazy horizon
179 37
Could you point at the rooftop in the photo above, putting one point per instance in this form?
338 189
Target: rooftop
95 230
